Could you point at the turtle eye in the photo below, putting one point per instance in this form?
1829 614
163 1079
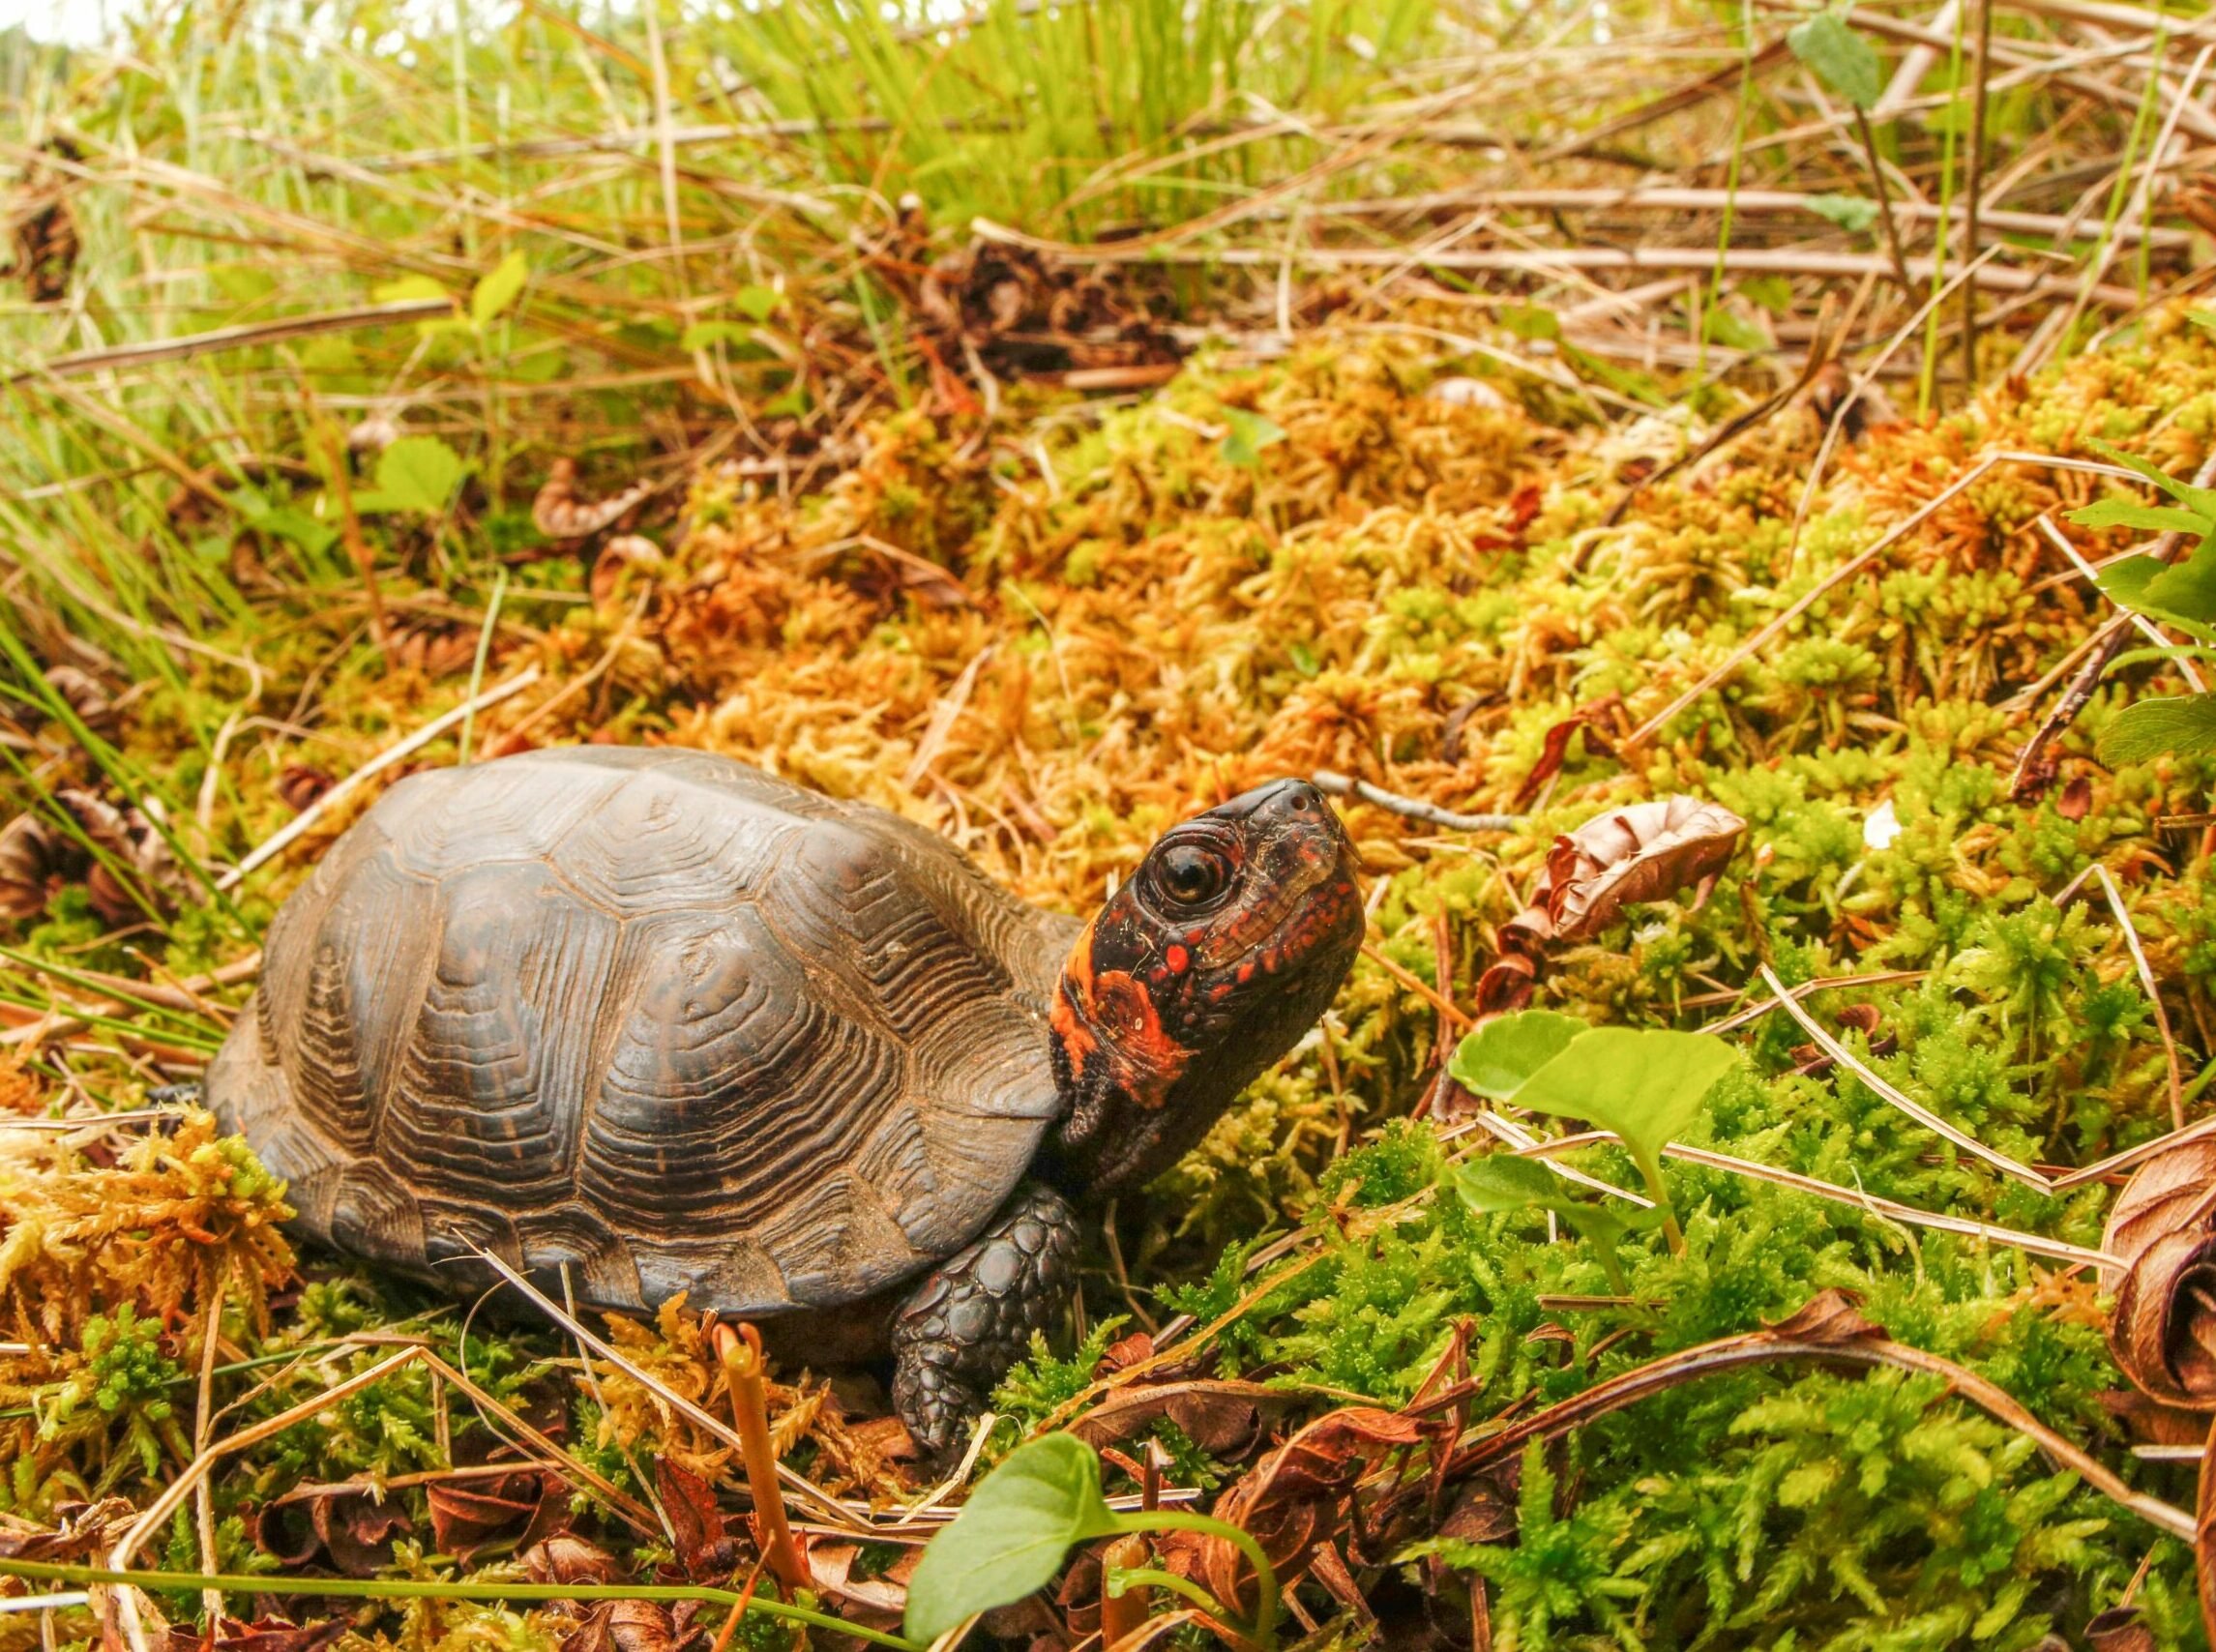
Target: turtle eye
1191 875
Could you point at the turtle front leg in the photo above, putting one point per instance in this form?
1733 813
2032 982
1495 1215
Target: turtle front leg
973 1316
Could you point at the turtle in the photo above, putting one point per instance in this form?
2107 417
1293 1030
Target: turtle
648 1022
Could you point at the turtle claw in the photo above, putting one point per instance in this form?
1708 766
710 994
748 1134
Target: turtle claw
973 1317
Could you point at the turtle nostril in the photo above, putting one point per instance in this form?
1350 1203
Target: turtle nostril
1302 799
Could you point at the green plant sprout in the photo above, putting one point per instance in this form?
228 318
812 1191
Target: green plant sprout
1503 1182
2181 593
1646 1085
1024 1519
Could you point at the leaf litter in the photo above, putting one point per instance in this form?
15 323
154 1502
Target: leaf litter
1417 592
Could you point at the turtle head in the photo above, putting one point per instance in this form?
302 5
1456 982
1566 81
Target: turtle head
1204 966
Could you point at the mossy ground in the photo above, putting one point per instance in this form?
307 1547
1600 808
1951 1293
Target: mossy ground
1149 611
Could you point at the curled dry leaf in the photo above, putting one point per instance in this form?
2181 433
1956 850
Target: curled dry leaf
82 1529
637 1625
82 691
1645 852
437 648
705 1550
1220 1418
620 556
568 1559
1557 746
2162 1234
2119 1628
353 1532
1125 1352
263 1635
299 785
875 1600
33 859
467 1516
561 511
1301 1496
1831 1319
133 850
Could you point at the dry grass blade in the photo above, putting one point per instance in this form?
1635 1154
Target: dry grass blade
276 843
1783 996
828 1507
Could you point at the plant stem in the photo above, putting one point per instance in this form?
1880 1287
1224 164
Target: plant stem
1885 203
1124 1604
1974 187
1650 1172
741 1354
1265 1574
412 1589
1137 1580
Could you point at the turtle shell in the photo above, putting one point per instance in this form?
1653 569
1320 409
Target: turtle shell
654 1016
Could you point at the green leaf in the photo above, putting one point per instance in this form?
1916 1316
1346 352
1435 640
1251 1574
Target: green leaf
289 521
1251 432
2205 319
406 288
2184 725
2186 588
1495 1060
1851 213
1842 59
1530 320
1774 293
756 303
2128 513
2132 584
1646 1085
416 473
2201 499
1501 1181
1732 331
498 288
705 335
1011 1536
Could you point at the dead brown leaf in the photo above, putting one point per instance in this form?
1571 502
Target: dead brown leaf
705 1550
2119 1628
1220 1418
567 1558
561 511
1301 1496
467 1516
263 1635
2163 1232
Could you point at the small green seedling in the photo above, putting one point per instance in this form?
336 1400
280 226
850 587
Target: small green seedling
1497 1059
1502 1182
1250 433
2181 593
416 473
1645 1084
1024 1519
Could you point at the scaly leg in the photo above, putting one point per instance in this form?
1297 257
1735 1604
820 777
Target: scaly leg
973 1316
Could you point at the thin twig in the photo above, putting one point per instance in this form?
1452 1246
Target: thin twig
1413 808
1877 1086
278 842
2153 992
1974 184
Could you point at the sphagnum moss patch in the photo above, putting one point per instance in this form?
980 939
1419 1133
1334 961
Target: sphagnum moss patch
1142 615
